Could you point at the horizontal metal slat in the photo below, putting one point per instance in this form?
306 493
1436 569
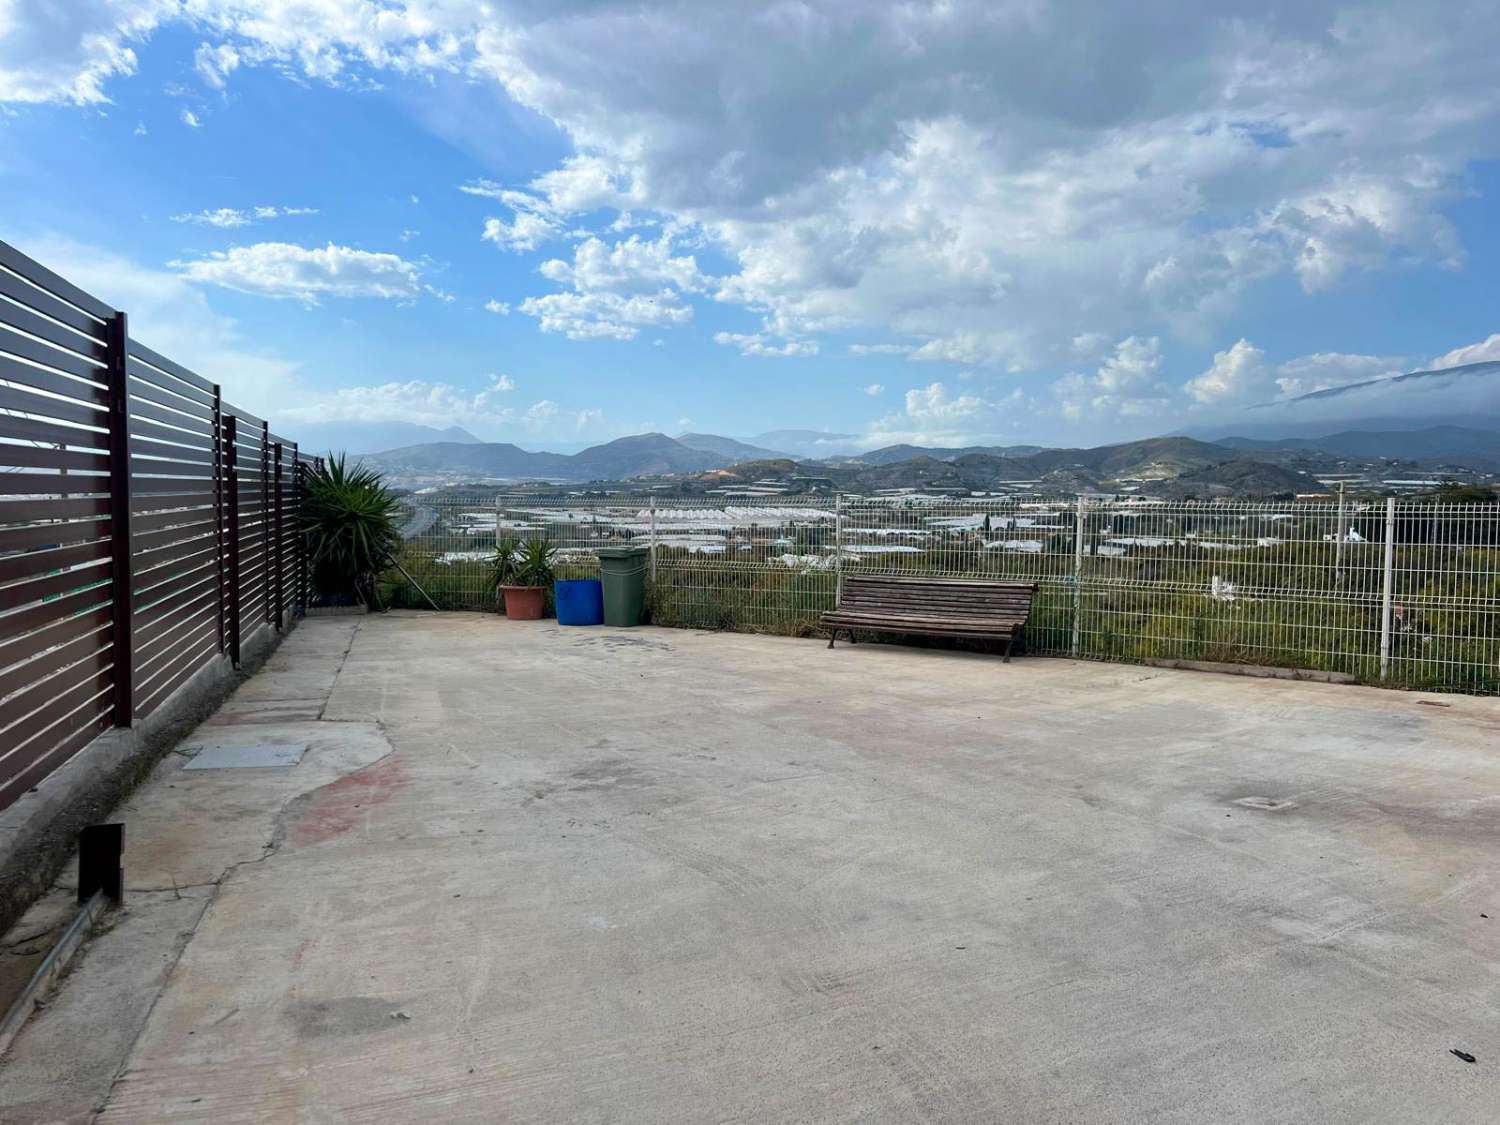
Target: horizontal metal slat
39 275
58 409
45 379
45 354
13 567
27 321
176 370
22 511
44 302
45 457
18 594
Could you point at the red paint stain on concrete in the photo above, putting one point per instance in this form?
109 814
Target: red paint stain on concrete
344 804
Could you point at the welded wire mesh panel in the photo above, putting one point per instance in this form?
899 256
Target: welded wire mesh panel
1287 585
1297 585
447 540
1445 605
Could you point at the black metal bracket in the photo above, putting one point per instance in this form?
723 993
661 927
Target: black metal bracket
101 862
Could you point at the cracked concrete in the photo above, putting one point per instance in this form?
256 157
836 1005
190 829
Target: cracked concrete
533 875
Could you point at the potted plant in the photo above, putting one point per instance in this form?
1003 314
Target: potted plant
349 519
531 573
503 568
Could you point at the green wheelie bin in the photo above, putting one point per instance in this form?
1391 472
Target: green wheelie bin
623 571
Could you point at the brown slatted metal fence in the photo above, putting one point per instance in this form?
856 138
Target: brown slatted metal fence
147 527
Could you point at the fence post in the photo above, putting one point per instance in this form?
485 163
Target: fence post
218 471
1078 518
1342 535
122 594
1387 587
231 574
279 583
653 541
838 550
265 519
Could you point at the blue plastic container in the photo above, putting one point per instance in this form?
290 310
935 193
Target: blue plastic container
580 601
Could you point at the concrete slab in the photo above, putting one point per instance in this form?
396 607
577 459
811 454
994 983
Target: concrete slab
673 877
254 756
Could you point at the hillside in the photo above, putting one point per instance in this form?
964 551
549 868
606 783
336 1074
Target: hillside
891 454
1440 444
638 455
727 447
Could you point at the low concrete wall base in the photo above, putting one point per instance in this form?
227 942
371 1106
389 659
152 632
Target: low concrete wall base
39 832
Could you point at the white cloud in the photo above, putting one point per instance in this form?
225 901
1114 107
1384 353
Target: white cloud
416 400
1484 351
760 344
1322 370
281 269
502 383
190 119
587 420
874 390
932 403
880 349
632 265
540 414
215 63
605 316
499 308
1236 374
526 231
983 180
232 217
1126 384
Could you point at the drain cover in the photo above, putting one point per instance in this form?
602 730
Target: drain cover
255 756
1269 804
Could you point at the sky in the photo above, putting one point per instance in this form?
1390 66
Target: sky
944 223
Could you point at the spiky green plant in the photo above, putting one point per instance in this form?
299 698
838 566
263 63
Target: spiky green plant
534 563
349 518
503 564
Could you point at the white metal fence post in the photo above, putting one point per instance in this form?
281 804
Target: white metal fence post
653 540
1387 582
1078 519
1342 538
838 549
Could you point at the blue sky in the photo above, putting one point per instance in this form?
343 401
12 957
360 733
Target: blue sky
558 224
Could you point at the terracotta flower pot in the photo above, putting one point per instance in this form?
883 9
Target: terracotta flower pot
524 603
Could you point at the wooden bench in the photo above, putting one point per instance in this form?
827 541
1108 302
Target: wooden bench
936 607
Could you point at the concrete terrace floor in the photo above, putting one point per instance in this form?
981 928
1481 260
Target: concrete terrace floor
533 874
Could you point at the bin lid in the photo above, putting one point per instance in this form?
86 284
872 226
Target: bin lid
622 552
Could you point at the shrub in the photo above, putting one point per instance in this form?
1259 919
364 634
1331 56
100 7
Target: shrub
349 519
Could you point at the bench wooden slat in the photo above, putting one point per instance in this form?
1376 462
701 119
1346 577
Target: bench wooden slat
952 607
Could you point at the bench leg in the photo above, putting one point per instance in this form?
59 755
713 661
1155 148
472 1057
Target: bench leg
1008 642
832 636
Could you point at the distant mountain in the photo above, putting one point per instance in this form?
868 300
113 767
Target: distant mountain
1166 466
642 455
814 444
892 453
638 455
1239 477
1461 445
371 437
727 447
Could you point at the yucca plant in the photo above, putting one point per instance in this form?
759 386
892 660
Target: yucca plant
349 518
503 564
534 563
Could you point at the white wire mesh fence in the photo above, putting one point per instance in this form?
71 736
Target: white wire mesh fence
1402 591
